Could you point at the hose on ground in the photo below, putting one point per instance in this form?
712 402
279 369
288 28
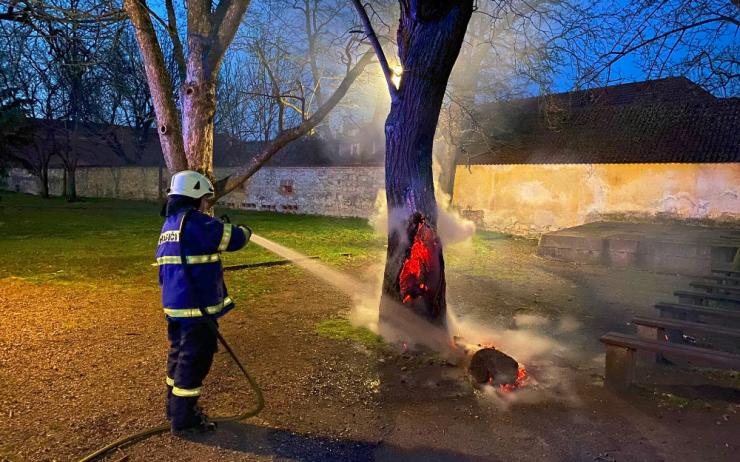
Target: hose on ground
260 400
136 437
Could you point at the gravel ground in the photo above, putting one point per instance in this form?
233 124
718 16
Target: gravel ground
82 365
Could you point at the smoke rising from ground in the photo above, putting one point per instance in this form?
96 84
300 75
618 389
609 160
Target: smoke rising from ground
528 342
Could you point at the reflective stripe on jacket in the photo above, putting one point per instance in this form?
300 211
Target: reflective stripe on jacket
201 242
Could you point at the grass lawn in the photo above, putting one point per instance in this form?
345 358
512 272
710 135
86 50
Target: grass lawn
113 241
99 241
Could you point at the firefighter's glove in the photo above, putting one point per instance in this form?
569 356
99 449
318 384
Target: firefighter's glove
225 218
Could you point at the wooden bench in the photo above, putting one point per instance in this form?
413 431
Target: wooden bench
716 288
692 312
725 280
620 357
726 272
655 328
698 297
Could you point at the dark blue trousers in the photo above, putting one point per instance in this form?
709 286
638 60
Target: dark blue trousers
192 346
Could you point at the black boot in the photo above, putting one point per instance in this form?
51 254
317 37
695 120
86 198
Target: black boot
188 418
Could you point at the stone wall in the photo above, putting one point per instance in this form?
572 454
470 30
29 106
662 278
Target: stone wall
141 183
533 199
518 199
333 191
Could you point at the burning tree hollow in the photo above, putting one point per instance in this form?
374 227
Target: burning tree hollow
421 280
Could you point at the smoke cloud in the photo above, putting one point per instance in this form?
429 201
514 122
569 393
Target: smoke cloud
529 342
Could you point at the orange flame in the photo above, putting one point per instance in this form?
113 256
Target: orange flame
521 380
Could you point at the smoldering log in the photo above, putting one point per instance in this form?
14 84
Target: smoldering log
488 365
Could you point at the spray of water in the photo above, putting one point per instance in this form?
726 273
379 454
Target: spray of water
365 296
339 280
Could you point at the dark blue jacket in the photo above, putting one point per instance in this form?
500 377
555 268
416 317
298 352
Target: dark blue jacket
201 242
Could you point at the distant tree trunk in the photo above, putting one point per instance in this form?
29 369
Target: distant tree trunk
448 167
70 185
430 35
44 180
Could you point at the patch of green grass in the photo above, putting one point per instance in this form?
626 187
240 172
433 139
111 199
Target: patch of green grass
489 249
671 401
108 241
731 378
342 329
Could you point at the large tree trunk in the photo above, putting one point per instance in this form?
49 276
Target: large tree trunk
160 87
430 35
199 107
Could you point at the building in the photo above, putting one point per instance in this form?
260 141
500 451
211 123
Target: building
640 151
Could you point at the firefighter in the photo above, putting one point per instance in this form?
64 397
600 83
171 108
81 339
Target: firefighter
187 286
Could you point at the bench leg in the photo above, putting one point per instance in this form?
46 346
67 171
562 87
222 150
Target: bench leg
620 368
652 333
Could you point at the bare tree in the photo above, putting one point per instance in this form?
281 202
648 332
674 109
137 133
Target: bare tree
125 100
290 54
187 136
695 38
35 80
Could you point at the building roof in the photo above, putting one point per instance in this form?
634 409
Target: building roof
660 121
117 146
657 121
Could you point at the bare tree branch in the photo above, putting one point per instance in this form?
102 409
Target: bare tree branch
370 32
226 20
175 37
294 133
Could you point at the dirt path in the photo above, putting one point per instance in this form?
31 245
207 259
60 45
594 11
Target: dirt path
80 366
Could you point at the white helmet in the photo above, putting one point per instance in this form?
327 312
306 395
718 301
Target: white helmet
191 184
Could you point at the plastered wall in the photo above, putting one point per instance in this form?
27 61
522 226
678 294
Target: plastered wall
532 199
517 199
332 191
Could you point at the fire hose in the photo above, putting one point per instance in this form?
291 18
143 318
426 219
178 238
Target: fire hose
260 400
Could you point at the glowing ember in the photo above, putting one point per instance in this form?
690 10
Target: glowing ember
421 280
416 267
521 380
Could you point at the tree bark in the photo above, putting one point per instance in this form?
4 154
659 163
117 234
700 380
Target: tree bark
199 108
430 35
160 87
198 94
